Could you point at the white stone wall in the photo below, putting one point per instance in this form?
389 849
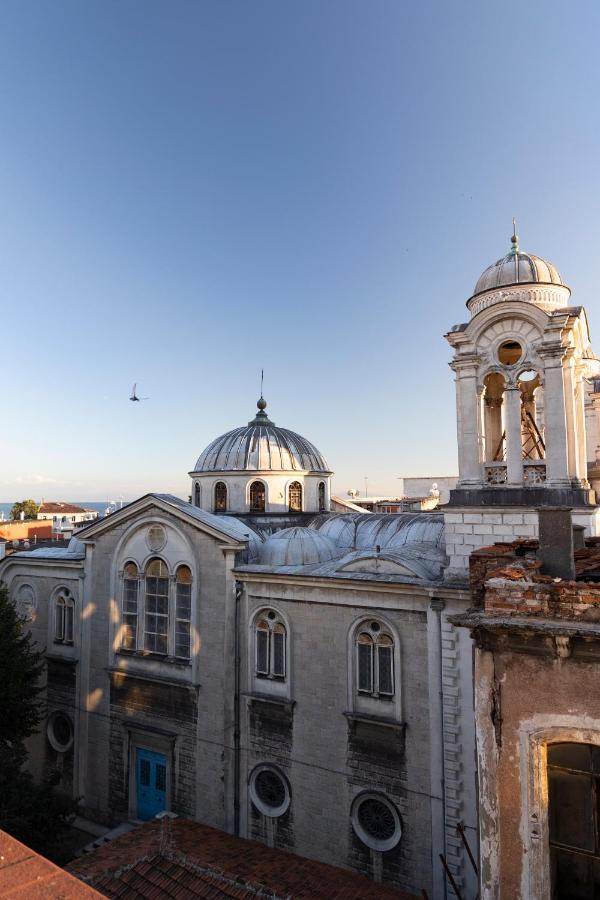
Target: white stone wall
276 490
469 529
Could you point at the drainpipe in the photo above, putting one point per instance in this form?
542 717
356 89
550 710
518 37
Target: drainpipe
236 711
437 737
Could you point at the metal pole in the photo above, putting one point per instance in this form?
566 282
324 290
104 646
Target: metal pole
450 877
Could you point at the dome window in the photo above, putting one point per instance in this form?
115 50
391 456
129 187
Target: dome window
321 496
220 496
257 497
295 497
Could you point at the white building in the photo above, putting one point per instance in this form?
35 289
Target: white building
527 407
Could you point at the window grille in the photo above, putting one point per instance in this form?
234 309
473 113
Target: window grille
257 497
130 607
183 611
270 637
220 496
295 497
64 613
156 620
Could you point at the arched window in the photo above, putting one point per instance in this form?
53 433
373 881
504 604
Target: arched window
271 651
130 606
321 496
64 614
183 611
295 497
220 496
257 497
374 661
156 618
197 494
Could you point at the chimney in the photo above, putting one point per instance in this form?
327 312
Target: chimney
556 542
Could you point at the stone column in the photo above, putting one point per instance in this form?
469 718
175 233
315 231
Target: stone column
557 467
581 424
469 468
514 444
573 437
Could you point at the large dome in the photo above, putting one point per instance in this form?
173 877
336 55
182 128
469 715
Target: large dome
261 446
517 267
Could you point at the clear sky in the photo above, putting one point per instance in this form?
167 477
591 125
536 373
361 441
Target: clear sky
190 191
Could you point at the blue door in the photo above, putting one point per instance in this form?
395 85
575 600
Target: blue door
150 783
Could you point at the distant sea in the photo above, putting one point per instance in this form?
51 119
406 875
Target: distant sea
100 505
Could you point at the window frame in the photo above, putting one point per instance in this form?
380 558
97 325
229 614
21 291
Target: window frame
174 627
220 503
64 617
297 488
375 637
374 702
263 488
275 626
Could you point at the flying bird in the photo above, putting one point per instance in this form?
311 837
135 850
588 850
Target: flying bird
134 397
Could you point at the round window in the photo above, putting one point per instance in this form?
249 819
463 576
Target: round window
376 821
60 732
509 353
269 791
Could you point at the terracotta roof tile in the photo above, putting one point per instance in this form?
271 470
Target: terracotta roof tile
184 860
25 875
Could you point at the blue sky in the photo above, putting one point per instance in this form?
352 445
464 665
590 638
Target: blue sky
191 191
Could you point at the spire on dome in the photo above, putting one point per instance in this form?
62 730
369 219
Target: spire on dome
514 239
261 418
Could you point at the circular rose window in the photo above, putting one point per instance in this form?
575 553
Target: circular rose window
60 732
269 791
376 821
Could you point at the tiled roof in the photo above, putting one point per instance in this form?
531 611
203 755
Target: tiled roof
60 507
24 875
186 860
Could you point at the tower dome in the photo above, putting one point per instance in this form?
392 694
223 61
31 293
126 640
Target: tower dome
520 276
261 468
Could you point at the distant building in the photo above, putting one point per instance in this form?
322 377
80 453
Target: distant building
66 517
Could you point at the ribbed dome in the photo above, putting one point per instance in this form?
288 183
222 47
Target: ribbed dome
517 267
297 547
261 446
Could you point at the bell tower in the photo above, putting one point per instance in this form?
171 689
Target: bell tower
527 414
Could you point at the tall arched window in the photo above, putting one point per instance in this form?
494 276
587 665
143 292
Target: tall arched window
156 617
257 497
374 661
64 614
130 606
197 494
220 496
321 496
270 650
183 611
295 496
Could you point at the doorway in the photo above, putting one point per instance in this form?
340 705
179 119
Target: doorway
150 783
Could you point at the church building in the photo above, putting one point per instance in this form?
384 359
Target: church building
260 663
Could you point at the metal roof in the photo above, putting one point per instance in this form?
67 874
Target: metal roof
517 267
261 446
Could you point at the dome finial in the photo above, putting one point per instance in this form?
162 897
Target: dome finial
261 416
515 238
